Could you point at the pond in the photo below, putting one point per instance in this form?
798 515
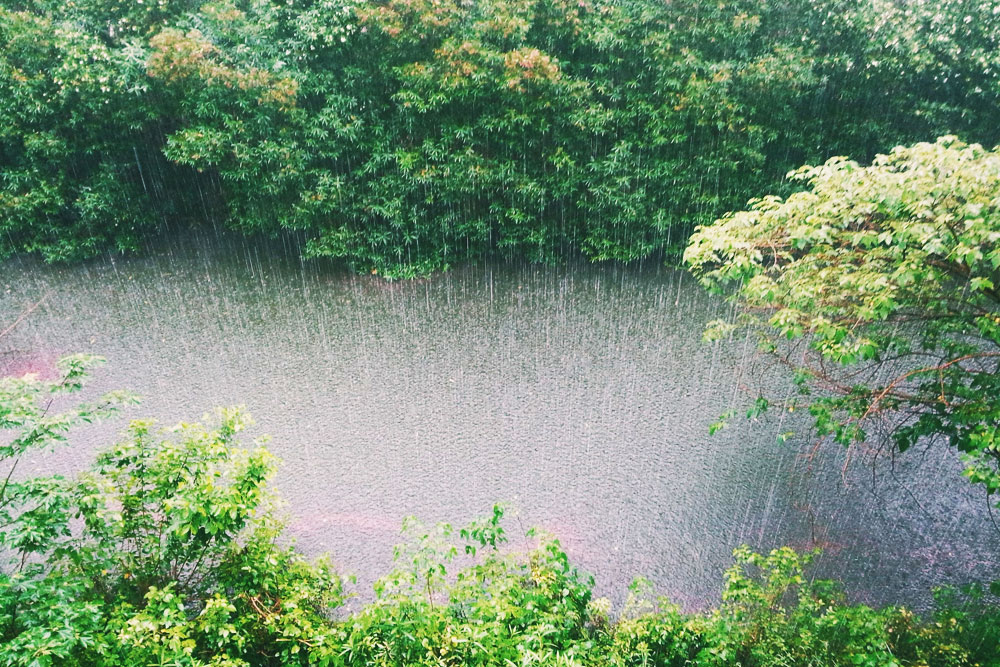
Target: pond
580 395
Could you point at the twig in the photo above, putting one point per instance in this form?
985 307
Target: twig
989 509
24 314
6 482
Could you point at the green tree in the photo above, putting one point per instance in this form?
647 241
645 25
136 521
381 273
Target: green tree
403 137
878 286
72 147
164 553
37 611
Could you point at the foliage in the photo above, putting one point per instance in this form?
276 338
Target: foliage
31 516
883 278
405 136
534 608
164 553
781 617
71 114
501 608
167 553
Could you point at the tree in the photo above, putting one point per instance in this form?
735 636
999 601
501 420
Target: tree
75 176
39 615
26 409
404 136
878 287
164 553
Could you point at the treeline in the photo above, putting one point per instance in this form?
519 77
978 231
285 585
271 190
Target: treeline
406 135
168 552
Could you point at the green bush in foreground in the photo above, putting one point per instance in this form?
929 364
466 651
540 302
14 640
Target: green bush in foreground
164 553
167 553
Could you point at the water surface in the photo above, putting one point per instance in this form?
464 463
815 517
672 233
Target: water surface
581 395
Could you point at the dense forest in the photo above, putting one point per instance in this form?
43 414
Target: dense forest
408 135
404 136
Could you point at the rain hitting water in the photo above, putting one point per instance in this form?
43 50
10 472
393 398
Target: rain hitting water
580 395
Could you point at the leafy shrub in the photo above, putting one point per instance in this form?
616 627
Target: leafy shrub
402 137
167 553
164 553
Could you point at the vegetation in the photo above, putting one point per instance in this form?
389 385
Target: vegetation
167 553
163 554
405 135
878 286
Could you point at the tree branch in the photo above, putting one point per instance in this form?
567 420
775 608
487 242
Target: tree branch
20 318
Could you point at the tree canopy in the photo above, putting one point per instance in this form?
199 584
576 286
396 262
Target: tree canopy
878 286
405 136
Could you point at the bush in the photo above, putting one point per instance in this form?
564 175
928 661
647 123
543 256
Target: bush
404 136
167 552
164 553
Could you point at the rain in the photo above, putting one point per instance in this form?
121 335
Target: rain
581 395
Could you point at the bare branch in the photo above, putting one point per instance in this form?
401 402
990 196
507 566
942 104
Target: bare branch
24 314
